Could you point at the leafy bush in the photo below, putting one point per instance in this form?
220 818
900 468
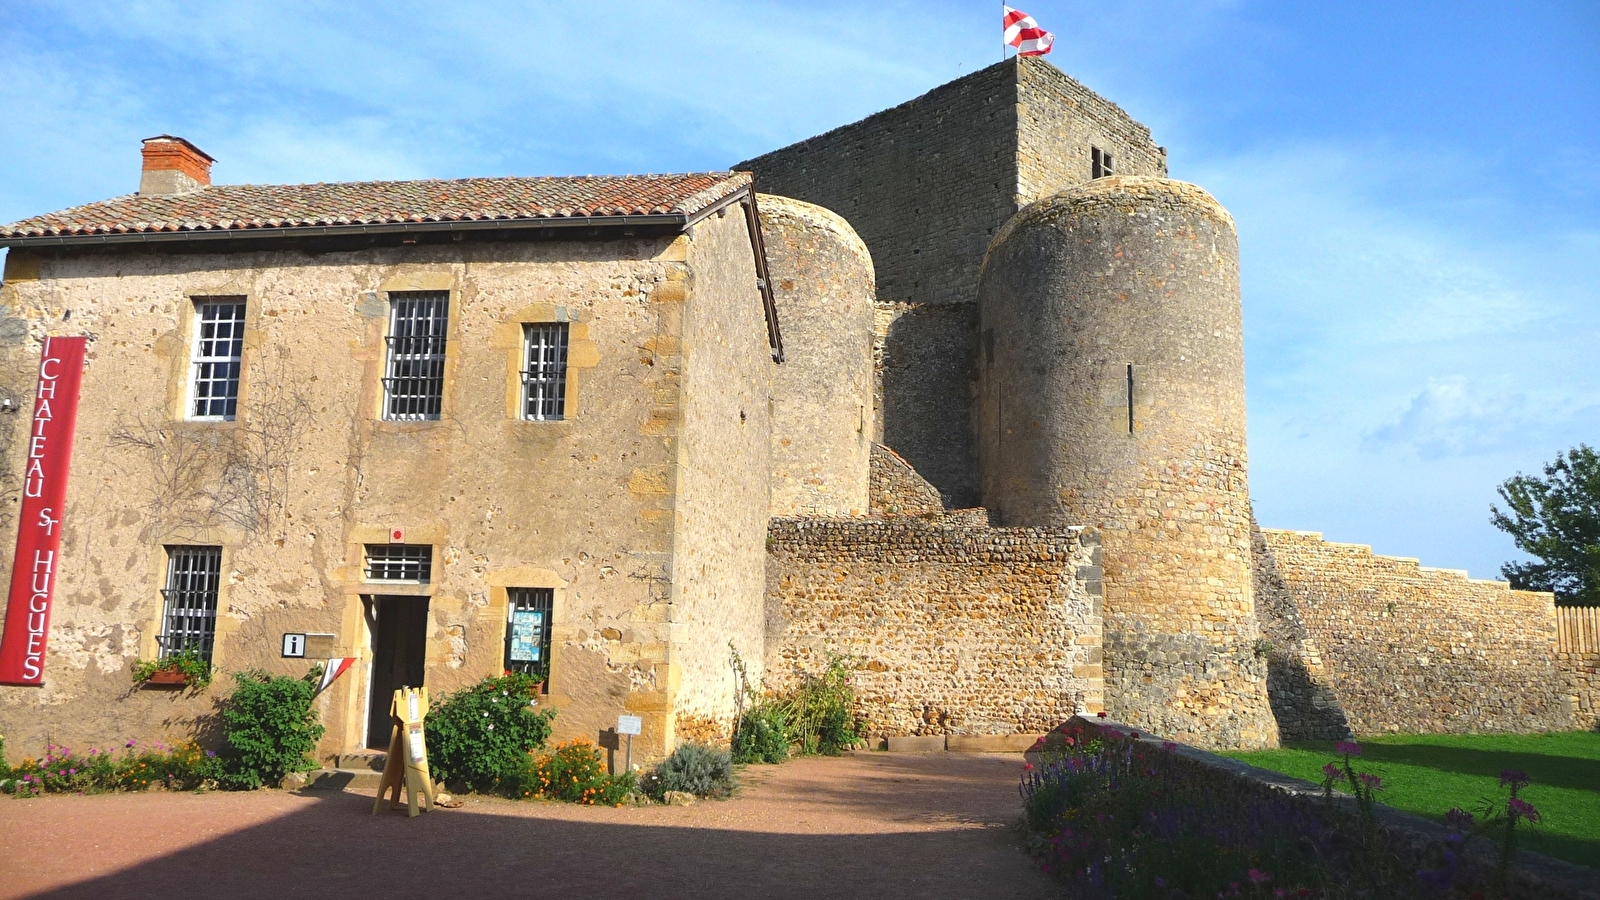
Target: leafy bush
761 735
196 668
573 772
693 768
481 735
819 711
269 728
181 767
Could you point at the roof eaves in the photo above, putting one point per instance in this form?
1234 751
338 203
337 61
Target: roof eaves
259 232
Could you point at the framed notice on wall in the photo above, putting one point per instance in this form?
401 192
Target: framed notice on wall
527 635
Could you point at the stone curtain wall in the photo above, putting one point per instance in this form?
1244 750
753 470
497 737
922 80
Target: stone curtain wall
897 489
1389 645
1580 674
953 630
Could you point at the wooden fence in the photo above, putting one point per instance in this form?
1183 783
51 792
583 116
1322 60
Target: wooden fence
1578 629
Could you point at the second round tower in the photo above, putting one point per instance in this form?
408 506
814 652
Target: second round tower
1111 393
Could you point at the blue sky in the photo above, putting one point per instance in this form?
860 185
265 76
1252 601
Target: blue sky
1417 185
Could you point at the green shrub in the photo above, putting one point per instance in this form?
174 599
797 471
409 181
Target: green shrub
481 735
5 767
269 728
761 735
693 768
819 712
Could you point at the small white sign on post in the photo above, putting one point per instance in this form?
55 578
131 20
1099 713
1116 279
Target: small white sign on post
294 645
630 726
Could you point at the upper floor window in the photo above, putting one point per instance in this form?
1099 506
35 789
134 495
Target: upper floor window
544 372
218 348
413 383
190 619
400 562
1100 163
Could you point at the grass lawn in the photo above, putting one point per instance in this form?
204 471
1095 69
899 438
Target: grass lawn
1429 773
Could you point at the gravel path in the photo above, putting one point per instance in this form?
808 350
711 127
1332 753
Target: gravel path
873 825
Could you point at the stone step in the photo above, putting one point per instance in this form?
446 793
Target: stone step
362 779
366 759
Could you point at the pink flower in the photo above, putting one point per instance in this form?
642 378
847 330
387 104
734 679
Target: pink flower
1516 778
1331 770
1523 808
1258 876
1373 782
1134 735
1347 748
1027 767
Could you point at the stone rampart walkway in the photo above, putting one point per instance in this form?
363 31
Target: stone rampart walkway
869 825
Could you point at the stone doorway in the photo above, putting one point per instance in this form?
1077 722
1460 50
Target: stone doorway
399 658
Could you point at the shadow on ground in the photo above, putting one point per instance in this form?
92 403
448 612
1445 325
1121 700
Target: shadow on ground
789 842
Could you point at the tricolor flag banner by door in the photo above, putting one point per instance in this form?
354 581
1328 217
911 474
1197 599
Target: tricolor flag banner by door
1023 33
332 670
37 562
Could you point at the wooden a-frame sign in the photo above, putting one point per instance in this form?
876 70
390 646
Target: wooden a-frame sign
407 764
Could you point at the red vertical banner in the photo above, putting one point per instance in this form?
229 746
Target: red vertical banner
44 496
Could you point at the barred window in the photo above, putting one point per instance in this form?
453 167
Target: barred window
528 630
413 384
190 622
218 347
544 373
400 562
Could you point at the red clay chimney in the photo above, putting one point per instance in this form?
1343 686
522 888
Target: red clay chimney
172 165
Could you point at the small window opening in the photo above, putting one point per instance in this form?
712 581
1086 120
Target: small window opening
189 622
544 371
400 562
1100 163
1130 398
528 612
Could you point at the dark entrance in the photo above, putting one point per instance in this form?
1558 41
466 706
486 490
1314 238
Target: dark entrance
399 645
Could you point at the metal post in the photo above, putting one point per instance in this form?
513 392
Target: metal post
627 761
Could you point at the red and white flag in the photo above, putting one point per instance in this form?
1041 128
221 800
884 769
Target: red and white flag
332 670
1023 33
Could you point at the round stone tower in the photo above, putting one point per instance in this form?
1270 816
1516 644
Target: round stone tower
822 414
1111 393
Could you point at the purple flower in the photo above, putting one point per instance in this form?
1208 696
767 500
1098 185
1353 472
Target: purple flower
130 742
211 753
1516 778
1257 876
1332 771
1373 782
1524 809
1458 819
1347 748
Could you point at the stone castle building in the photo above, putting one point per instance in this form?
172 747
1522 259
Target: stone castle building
958 395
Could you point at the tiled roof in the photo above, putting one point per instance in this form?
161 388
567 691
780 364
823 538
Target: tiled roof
233 208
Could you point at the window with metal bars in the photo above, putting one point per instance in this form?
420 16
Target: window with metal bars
528 612
218 348
190 621
413 383
1099 163
400 562
544 372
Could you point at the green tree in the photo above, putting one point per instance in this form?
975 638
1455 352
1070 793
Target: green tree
1557 519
